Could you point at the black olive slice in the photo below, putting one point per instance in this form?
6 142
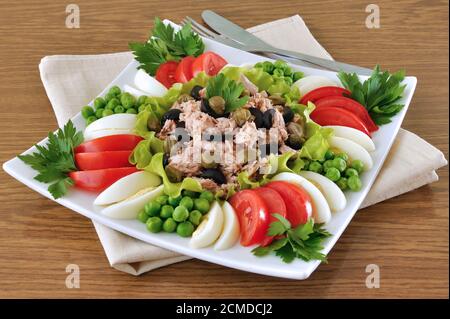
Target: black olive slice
215 174
258 115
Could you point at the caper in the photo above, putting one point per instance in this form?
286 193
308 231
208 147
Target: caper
296 134
217 104
204 107
173 174
257 116
277 100
184 98
153 123
294 142
241 116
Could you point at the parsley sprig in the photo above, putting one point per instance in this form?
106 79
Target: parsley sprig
228 89
164 44
379 93
55 160
303 241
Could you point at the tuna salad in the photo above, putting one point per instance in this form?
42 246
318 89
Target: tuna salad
205 141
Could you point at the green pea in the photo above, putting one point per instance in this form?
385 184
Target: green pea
329 155
142 216
202 205
288 72
258 65
87 111
340 164
306 163
268 67
185 229
209 196
119 109
180 214
127 100
152 208
333 174
342 183
131 111
112 103
351 172
280 64
99 103
187 202
315 167
115 90
354 183
154 224
162 200
174 201
278 72
141 100
327 164
169 225
343 156
166 211
107 112
190 194
358 165
109 96
194 217
297 76
99 113
91 119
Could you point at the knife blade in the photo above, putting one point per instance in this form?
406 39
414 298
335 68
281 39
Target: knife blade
254 44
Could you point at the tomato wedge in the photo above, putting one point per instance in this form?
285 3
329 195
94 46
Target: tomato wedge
184 69
275 204
298 202
322 92
327 115
349 105
209 62
101 160
253 216
120 142
98 180
166 73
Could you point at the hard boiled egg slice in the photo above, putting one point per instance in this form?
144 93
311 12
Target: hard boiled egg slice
312 82
321 210
209 229
354 135
353 150
230 233
133 90
149 84
126 187
114 124
333 194
130 207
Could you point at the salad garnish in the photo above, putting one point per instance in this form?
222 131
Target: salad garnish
56 159
229 90
303 241
164 44
379 93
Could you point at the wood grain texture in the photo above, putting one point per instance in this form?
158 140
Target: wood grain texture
406 236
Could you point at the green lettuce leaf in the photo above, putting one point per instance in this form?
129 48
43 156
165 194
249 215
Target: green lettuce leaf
143 152
171 189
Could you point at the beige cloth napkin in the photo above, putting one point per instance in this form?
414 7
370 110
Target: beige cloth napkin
72 81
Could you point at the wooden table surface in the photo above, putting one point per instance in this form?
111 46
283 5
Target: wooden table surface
406 236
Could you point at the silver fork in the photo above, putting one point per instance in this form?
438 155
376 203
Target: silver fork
205 32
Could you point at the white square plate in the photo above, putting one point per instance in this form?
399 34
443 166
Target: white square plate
237 257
